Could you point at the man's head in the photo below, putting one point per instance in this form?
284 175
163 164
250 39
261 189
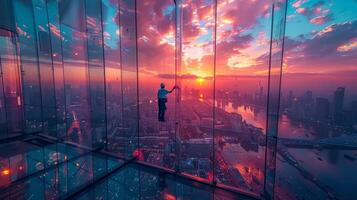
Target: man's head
162 85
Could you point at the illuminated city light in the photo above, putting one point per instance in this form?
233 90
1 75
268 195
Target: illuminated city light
168 196
5 172
138 154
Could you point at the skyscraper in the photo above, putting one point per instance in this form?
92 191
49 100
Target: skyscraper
338 100
322 108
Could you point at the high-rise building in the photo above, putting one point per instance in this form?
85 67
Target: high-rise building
338 101
322 109
290 99
68 90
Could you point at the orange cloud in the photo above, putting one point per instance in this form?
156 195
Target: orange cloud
349 46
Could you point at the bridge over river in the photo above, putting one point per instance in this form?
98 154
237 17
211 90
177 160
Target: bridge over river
342 142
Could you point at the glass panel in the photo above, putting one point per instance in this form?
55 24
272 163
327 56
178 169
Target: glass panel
96 72
35 160
84 170
113 66
128 137
135 182
243 47
3 119
275 68
18 166
57 181
78 113
6 16
317 126
56 46
20 159
29 65
46 69
10 94
156 51
5 173
197 89
178 63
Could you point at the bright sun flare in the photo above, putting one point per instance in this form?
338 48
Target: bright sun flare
200 80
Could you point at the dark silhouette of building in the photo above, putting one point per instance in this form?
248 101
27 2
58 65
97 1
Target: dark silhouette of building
338 100
322 108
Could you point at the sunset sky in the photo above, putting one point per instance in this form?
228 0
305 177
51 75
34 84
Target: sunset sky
320 40
314 29
321 37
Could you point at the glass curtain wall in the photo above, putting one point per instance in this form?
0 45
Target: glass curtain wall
316 151
120 39
242 73
195 138
57 61
10 85
156 56
10 82
45 64
266 96
96 71
113 68
278 22
75 60
30 73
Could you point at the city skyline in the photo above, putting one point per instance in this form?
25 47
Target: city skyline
265 103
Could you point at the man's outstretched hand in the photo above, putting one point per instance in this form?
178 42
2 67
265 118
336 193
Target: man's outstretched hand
175 87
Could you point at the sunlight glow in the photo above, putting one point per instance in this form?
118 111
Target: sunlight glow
200 81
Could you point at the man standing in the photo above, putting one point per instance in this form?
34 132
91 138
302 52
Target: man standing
162 99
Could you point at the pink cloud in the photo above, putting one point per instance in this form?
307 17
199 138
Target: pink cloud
301 10
298 3
319 20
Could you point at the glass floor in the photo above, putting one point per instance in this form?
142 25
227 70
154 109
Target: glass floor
44 170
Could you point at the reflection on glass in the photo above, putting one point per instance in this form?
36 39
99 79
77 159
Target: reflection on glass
134 182
114 93
275 68
156 51
59 181
128 139
317 122
243 47
10 85
44 52
76 86
18 163
56 48
196 89
23 11
96 72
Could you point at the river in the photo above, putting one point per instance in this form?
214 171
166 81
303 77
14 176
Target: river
332 167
